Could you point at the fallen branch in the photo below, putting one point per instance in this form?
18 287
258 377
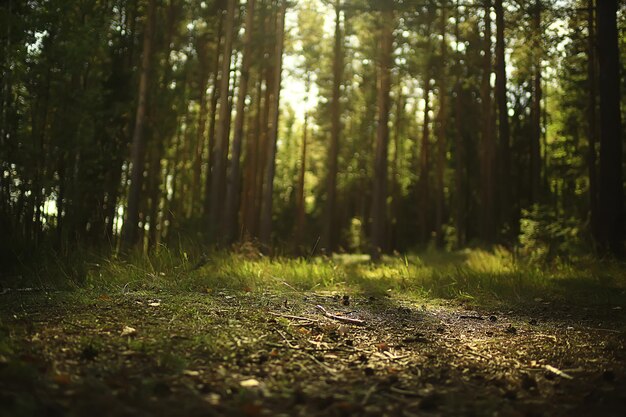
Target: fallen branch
558 372
340 318
472 317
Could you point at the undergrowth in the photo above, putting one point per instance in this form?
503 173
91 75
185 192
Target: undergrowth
479 275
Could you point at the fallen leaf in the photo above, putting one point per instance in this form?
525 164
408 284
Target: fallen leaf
128 331
250 383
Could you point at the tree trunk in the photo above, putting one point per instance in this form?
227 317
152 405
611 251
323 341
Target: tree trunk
329 232
300 203
441 134
211 135
270 167
460 172
611 192
504 168
218 176
234 175
379 203
130 234
535 137
591 119
487 145
203 81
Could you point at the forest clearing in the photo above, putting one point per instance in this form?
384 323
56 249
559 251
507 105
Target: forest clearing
434 335
312 208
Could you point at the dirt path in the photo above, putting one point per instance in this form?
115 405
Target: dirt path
257 354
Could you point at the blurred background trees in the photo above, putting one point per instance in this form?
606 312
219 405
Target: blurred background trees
338 124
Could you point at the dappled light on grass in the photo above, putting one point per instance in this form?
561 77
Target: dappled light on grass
485 276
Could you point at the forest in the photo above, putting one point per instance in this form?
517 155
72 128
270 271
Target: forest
312 207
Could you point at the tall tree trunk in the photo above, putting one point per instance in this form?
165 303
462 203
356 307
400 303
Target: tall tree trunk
535 137
270 163
300 203
395 171
611 192
252 160
441 133
591 119
234 175
203 80
423 183
379 197
504 166
329 233
130 234
211 134
487 146
460 172
218 176
424 170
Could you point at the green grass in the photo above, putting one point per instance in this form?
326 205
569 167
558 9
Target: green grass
482 276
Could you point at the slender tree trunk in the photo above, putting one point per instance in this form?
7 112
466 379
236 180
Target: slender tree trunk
329 232
424 212
270 168
535 145
300 203
130 234
591 119
218 175
441 134
611 192
460 172
423 183
252 160
203 81
504 168
379 203
487 146
234 175
395 171
211 134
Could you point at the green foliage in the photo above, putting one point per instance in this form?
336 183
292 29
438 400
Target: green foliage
545 236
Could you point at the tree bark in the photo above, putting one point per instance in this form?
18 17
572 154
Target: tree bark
535 137
591 119
504 168
329 233
130 234
379 197
234 175
211 134
487 145
300 202
270 167
441 134
611 192
218 176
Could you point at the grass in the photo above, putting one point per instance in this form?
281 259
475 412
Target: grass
477 275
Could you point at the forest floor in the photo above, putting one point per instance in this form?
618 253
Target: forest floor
257 352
